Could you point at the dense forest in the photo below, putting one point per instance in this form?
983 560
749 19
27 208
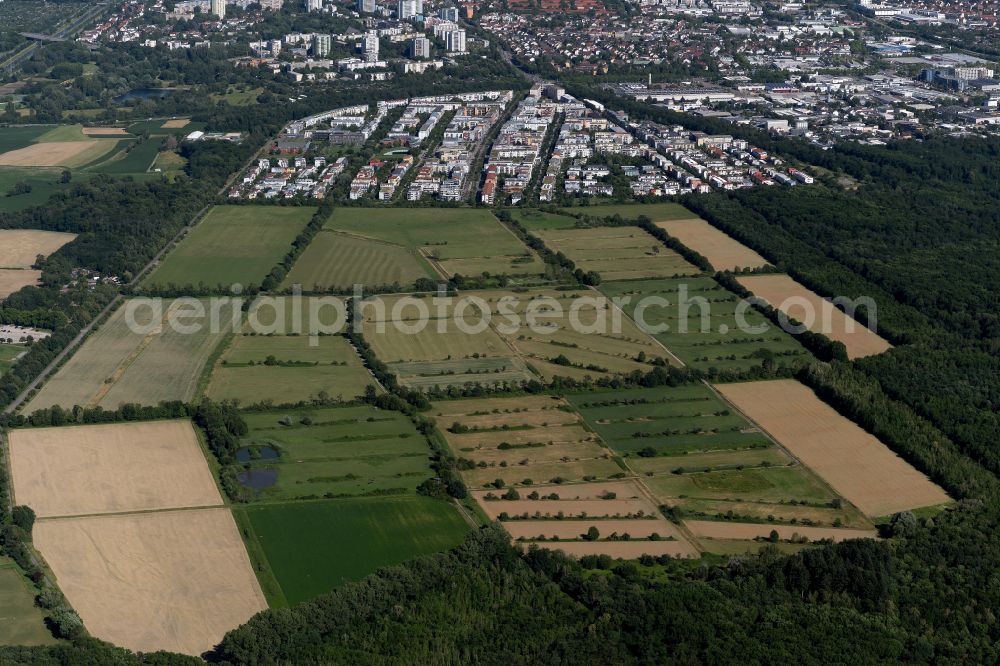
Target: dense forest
927 596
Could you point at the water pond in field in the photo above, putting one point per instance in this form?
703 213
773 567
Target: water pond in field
247 453
257 479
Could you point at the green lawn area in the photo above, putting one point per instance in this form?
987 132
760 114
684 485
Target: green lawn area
168 161
671 421
337 451
12 138
156 127
447 233
21 622
44 183
131 157
532 219
313 547
7 355
706 332
657 212
774 484
300 371
339 261
459 372
63 133
233 244
236 97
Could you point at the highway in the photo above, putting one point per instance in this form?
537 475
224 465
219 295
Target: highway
65 30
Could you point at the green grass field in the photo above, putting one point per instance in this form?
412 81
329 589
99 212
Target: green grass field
21 622
12 138
232 244
449 232
63 133
7 355
670 421
395 344
533 219
337 451
705 327
772 485
44 183
169 162
313 547
339 261
472 239
657 212
132 157
156 127
460 372
617 253
301 371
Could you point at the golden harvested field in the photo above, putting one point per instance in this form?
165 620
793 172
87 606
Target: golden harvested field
20 247
627 489
614 508
12 280
538 438
617 253
542 508
599 499
114 468
575 529
722 251
544 472
716 459
530 447
628 550
817 516
856 464
151 363
170 580
818 314
58 153
711 529
485 412
104 131
176 123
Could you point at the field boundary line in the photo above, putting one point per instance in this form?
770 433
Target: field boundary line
126 363
472 522
626 315
171 509
681 528
69 349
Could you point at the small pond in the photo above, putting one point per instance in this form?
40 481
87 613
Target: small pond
142 93
246 453
257 478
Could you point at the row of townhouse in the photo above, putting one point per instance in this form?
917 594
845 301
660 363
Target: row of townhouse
288 177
